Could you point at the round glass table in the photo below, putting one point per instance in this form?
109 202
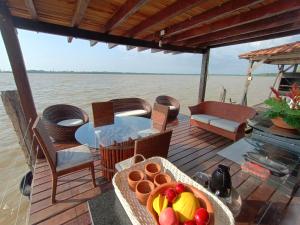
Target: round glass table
121 130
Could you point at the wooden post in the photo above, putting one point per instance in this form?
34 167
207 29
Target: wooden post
13 108
15 56
203 76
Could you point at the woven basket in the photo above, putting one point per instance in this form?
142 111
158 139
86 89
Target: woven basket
138 213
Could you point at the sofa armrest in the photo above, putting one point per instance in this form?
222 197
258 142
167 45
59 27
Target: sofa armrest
195 109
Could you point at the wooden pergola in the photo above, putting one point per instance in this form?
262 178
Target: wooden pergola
182 26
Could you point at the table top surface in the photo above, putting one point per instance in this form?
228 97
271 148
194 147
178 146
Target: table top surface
121 130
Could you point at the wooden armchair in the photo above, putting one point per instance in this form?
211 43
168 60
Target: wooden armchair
64 161
103 113
154 145
159 119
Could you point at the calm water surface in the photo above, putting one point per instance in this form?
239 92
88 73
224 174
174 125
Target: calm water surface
81 90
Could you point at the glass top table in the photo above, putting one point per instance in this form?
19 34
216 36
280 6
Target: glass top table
121 130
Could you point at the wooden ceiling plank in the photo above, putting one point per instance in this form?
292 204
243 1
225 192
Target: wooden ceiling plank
81 7
125 11
275 21
226 8
31 8
276 8
275 30
168 12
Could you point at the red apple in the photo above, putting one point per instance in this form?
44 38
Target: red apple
179 188
171 195
190 222
201 216
168 217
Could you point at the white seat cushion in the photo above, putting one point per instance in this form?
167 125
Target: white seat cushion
204 118
171 107
225 124
70 122
137 112
71 157
147 132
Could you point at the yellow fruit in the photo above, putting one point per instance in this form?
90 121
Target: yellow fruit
160 203
186 206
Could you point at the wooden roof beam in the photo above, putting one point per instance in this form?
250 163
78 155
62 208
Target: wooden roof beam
276 8
31 8
275 21
76 32
125 11
275 30
207 16
168 12
128 47
79 14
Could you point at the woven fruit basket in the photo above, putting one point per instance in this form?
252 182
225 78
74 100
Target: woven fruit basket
138 213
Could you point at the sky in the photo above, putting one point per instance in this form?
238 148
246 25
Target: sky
51 52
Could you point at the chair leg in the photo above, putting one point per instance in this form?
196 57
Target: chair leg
92 168
54 186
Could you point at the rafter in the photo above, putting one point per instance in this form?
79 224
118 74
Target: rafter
275 21
141 49
124 12
153 50
93 43
272 31
128 47
267 37
212 14
79 14
31 8
168 12
263 12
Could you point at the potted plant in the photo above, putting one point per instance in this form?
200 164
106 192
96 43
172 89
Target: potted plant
284 111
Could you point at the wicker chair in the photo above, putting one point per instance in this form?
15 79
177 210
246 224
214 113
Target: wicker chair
54 115
132 106
103 113
154 145
172 103
114 154
64 161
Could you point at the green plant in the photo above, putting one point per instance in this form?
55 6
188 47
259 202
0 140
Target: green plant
288 108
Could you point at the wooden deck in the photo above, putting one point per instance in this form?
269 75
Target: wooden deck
191 150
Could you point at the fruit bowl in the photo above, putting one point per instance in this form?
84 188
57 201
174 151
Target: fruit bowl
203 200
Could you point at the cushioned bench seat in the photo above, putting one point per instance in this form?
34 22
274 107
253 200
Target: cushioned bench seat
204 118
217 122
137 112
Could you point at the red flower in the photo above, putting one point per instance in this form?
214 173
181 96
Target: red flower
277 94
294 95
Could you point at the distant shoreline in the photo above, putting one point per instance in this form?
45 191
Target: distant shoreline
132 73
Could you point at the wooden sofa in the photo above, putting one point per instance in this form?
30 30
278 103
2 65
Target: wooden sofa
225 119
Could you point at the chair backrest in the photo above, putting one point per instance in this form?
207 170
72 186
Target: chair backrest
45 143
159 117
103 113
114 154
154 145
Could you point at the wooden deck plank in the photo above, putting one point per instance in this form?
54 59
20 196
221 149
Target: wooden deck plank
192 149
